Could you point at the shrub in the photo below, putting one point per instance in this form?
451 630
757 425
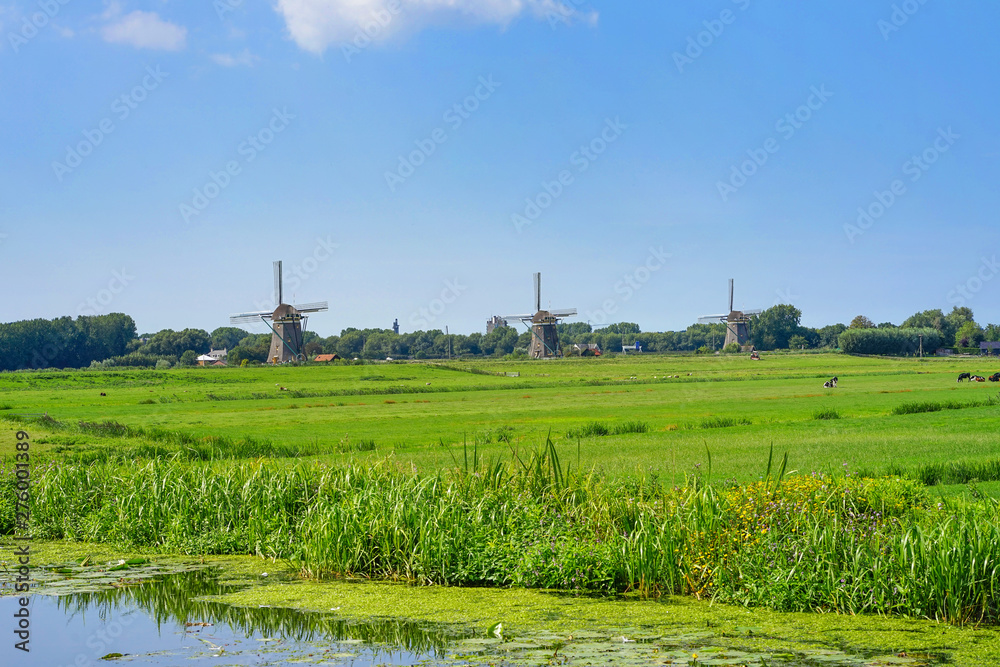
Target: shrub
724 422
889 341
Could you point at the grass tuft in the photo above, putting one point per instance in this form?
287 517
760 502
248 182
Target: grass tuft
724 422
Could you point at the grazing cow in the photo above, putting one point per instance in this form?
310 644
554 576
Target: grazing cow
831 383
977 378
995 377
964 376
103 394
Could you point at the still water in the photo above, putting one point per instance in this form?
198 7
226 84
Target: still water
158 621
141 613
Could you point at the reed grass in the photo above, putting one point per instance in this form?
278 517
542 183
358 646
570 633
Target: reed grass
724 422
600 429
793 543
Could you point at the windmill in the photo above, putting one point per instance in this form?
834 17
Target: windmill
286 322
544 339
737 322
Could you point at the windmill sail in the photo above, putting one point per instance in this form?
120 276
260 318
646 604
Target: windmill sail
285 322
278 287
542 325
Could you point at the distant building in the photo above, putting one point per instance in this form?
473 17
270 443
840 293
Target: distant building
634 347
495 322
327 357
205 360
989 348
587 349
395 326
218 355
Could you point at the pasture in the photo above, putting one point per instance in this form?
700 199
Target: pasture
668 416
653 476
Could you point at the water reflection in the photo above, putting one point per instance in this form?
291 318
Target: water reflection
155 614
174 600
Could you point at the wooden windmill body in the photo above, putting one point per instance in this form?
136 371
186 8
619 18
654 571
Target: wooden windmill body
286 323
542 324
737 322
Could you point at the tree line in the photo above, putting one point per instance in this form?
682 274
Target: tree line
111 340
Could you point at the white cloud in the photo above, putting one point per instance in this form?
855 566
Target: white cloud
244 57
144 30
317 24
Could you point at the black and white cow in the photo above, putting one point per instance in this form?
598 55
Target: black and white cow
831 383
977 378
965 376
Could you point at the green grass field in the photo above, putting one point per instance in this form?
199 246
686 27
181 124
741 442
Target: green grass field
720 478
421 413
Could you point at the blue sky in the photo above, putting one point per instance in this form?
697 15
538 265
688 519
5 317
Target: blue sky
420 159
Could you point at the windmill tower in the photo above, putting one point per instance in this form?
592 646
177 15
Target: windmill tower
544 338
286 322
737 322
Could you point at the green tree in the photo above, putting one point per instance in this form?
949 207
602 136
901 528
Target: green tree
174 343
828 335
226 338
969 334
797 342
351 343
189 358
924 319
620 328
772 328
862 322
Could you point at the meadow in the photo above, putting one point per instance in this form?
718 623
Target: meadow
713 477
661 415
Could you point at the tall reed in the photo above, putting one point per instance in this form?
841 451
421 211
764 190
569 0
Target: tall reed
792 543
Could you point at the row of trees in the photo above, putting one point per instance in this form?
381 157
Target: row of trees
64 342
111 340
958 328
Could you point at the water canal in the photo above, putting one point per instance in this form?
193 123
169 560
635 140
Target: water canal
169 612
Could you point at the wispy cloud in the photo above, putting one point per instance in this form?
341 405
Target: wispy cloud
243 58
143 30
317 24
